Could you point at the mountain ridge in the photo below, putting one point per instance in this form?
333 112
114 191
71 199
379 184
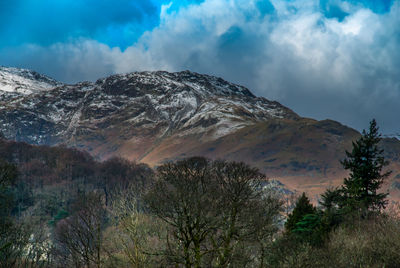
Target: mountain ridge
180 100
159 116
24 81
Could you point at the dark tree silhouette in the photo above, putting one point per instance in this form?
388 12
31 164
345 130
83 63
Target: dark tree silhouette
302 208
12 237
217 211
365 163
79 236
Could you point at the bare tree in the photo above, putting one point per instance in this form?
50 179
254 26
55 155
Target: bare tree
119 173
182 198
38 252
79 237
247 214
214 210
136 233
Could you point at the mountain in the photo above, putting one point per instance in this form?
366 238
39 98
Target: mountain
134 112
158 116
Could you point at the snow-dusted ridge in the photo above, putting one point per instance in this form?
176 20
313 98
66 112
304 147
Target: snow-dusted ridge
133 106
23 81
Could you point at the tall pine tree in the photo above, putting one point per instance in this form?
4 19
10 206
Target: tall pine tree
365 163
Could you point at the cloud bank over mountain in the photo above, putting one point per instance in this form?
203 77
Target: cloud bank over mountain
324 59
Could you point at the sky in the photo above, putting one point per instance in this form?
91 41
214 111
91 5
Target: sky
323 59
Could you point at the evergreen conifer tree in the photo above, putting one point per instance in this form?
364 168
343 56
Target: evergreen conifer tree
365 163
303 207
310 229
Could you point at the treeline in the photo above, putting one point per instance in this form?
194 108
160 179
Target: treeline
41 186
61 208
54 173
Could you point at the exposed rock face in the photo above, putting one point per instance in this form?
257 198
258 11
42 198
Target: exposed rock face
137 108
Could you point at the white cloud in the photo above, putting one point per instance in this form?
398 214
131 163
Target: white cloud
164 10
321 67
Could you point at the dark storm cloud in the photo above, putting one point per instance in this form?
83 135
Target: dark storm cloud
321 66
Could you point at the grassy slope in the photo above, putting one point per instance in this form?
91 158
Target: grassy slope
304 154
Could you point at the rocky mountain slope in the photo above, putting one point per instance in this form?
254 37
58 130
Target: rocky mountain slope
132 112
157 116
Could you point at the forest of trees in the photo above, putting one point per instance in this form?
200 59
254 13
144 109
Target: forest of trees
59 207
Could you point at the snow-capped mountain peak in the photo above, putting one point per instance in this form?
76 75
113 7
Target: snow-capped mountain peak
138 109
204 85
23 81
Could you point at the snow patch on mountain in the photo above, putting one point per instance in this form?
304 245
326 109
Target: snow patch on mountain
135 106
22 81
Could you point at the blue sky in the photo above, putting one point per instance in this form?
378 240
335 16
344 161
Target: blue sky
322 58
